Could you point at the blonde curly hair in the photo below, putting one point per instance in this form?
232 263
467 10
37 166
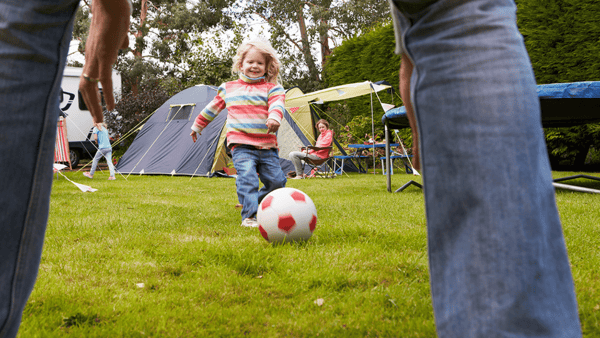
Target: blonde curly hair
272 65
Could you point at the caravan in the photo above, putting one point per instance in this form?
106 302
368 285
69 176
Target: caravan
78 118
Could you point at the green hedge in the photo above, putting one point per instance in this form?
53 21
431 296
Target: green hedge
562 38
369 57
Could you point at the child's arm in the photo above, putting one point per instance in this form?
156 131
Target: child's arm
95 134
272 125
194 136
276 99
209 113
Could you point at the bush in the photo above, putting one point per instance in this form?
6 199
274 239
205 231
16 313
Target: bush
570 146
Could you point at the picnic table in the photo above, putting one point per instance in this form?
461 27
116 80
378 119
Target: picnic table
360 149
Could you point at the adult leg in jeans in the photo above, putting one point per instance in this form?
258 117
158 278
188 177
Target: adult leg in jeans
35 36
498 261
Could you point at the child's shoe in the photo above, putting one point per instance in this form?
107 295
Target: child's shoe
250 222
87 174
111 178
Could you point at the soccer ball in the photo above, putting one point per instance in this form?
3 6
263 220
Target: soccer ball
286 215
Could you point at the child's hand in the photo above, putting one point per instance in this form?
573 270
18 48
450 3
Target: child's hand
272 125
194 136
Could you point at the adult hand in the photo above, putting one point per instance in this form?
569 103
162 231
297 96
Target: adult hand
272 125
406 68
108 34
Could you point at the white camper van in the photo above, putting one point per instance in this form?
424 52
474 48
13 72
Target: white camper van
78 117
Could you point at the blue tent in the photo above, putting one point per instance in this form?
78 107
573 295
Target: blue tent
164 146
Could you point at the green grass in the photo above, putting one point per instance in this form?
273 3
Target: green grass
204 275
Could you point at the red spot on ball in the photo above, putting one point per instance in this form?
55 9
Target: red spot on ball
298 196
263 232
313 223
286 223
266 202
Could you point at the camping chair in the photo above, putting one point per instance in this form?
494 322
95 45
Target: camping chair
322 167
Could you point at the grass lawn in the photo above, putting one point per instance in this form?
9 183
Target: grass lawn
160 256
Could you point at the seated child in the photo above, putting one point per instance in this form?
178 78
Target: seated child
324 140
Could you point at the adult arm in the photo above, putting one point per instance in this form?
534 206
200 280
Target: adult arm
406 68
108 34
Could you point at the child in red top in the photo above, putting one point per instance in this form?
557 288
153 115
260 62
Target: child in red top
324 140
255 104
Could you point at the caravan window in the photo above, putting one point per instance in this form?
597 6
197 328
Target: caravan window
180 112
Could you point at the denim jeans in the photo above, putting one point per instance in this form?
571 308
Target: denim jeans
498 262
297 156
106 153
34 40
248 162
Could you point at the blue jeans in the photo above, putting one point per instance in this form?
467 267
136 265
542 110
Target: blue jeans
33 48
497 255
248 162
106 153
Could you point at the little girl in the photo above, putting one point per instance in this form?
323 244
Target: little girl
255 104
104 149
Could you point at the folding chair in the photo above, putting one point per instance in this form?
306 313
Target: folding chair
322 167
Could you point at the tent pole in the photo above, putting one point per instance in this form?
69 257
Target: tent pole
372 131
387 158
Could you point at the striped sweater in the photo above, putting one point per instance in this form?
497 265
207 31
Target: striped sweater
249 103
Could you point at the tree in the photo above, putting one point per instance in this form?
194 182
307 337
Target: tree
171 52
299 27
166 33
368 57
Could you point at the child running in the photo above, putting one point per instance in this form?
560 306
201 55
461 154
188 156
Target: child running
255 104
104 149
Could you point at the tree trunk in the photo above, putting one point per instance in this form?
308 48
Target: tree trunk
310 62
139 34
325 50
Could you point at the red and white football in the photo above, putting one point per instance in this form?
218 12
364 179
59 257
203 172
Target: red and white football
286 215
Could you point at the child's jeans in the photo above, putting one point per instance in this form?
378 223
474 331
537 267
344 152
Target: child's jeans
248 162
107 153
